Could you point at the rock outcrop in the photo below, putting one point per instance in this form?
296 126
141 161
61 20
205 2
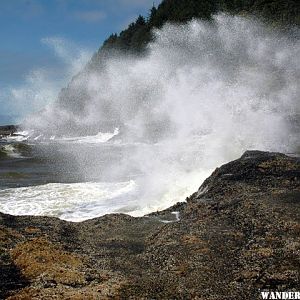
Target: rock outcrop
237 235
8 130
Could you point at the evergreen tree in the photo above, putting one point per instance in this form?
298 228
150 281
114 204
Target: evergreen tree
136 37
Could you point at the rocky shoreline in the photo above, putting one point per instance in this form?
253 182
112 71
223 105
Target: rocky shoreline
8 130
237 235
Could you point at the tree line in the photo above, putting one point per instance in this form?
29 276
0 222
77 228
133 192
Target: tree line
135 38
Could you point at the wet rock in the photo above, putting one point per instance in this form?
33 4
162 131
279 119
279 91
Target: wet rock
238 234
8 130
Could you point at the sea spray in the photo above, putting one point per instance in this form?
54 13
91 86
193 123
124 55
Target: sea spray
202 94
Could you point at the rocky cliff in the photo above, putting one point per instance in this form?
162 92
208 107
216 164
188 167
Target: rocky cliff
237 235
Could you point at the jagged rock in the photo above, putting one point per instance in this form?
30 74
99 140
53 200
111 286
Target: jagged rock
238 234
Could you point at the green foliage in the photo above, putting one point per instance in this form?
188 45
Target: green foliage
183 11
275 11
135 38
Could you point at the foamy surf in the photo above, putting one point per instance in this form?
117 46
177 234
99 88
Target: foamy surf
11 151
101 137
82 201
32 137
201 96
72 201
19 136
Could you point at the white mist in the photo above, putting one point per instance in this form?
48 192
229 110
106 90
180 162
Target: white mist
202 95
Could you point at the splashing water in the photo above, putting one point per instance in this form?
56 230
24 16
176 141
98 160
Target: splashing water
201 95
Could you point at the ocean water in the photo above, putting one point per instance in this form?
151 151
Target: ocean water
73 178
139 134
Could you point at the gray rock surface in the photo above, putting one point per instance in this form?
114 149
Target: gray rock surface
237 235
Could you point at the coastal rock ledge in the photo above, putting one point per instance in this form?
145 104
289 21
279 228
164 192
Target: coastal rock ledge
236 236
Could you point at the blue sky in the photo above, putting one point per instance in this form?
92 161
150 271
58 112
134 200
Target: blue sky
42 36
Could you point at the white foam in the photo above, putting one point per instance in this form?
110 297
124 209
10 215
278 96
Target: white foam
72 202
82 201
177 218
37 137
201 96
11 151
19 136
16 138
101 137
24 132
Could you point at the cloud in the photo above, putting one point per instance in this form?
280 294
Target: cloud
91 16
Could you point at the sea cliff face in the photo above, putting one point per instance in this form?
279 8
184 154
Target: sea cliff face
237 235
